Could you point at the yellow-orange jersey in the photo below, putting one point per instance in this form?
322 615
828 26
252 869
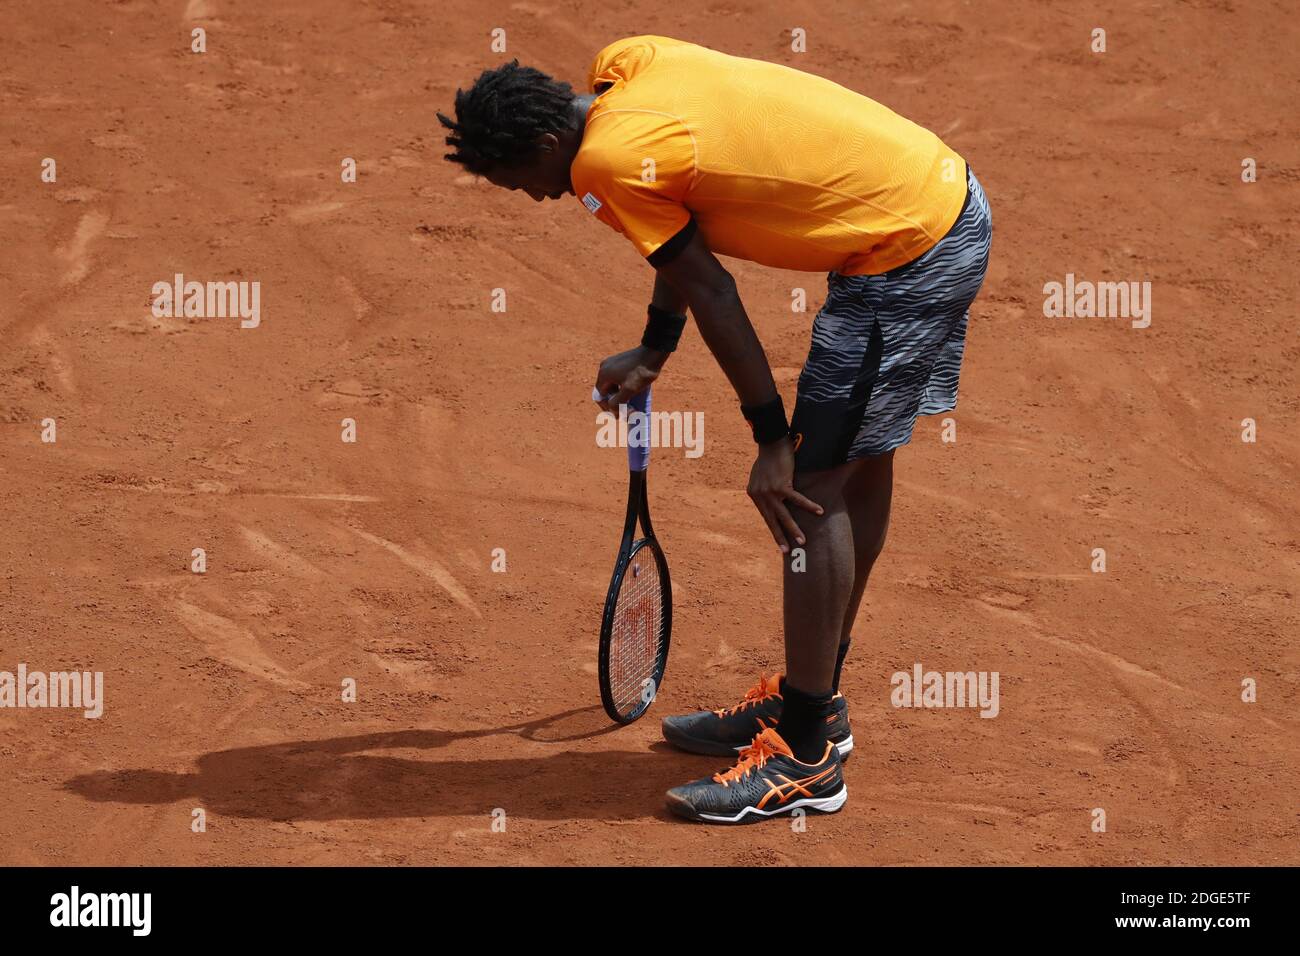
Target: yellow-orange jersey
772 164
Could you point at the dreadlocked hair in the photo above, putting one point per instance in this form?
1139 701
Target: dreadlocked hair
499 118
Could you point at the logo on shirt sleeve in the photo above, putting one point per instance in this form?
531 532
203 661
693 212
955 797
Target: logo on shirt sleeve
591 202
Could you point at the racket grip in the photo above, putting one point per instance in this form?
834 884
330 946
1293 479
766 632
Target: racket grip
638 454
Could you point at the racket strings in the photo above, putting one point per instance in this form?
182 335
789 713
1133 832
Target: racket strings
635 646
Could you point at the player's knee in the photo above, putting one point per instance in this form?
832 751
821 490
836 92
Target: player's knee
829 483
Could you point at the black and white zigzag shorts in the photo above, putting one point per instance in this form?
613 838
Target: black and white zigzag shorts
887 348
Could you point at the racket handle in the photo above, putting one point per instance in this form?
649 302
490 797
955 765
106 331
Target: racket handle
638 456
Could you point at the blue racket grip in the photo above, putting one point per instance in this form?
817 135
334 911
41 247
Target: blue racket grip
638 455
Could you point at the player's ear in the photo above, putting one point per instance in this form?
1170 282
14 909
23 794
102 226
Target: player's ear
548 142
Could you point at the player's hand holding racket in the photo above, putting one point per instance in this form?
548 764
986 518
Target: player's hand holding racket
626 374
638 616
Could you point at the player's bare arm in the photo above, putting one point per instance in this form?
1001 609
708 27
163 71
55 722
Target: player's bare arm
714 300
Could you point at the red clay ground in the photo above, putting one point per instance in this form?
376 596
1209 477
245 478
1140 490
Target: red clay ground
372 560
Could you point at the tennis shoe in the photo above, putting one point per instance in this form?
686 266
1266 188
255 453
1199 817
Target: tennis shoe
728 731
767 781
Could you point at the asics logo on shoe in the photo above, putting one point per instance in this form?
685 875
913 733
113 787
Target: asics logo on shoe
788 788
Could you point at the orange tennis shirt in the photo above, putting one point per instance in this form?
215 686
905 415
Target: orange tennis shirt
776 166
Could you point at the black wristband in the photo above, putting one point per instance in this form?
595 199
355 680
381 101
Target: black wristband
768 421
663 329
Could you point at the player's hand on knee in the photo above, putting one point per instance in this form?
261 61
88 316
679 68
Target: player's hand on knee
771 486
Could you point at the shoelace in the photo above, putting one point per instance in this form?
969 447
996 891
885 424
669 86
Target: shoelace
754 696
751 758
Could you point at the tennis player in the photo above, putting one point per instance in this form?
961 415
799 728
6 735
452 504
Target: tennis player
692 154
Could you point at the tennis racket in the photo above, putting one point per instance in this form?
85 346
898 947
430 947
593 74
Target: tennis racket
638 617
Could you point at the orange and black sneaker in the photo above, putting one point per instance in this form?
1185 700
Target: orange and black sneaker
766 782
728 731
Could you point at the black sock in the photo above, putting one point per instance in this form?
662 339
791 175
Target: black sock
839 665
803 723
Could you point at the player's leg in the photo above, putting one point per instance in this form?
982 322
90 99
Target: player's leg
869 496
820 578
818 585
820 581
823 593
795 765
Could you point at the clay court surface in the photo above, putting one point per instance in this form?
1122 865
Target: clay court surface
477 690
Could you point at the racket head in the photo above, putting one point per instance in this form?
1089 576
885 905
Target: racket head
635 632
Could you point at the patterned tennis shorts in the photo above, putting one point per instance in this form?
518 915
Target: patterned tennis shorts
887 348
